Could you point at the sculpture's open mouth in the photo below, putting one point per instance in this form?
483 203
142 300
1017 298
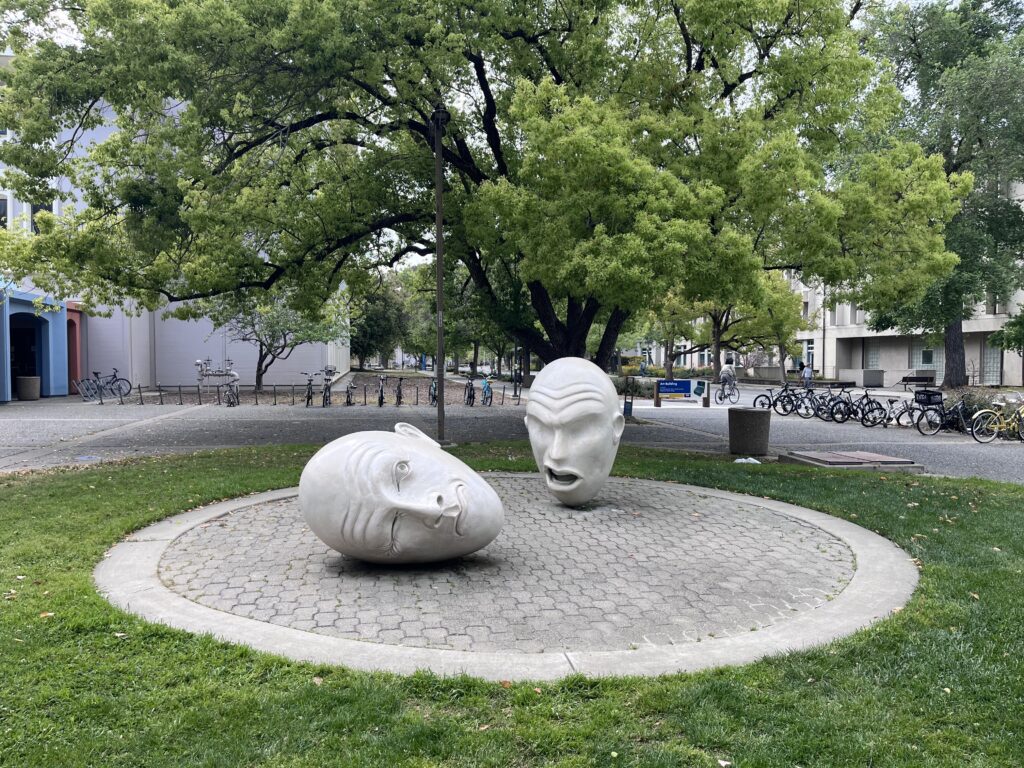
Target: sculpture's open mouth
561 480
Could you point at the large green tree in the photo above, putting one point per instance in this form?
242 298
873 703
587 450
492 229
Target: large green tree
599 152
961 66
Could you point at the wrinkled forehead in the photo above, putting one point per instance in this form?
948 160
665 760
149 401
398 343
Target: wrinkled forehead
568 402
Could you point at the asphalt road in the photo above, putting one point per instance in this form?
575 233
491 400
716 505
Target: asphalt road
65 431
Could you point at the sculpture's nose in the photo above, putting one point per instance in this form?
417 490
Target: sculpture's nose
560 446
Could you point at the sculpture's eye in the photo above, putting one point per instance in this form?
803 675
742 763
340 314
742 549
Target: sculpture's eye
402 471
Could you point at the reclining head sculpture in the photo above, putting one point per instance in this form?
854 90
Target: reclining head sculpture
397 497
574 424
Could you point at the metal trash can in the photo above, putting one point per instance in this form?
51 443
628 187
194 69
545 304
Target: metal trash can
27 387
749 429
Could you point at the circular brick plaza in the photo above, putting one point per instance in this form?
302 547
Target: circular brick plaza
650 578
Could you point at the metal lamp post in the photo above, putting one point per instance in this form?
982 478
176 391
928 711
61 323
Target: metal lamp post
439 119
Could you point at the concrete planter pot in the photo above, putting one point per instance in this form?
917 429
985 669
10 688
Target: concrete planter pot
27 387
749 429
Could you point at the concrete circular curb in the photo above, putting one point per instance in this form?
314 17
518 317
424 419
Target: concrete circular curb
883 581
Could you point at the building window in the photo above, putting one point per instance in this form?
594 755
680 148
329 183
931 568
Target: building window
809 353
832 316
3 212
806 310
929 358
872 354
991 364
36 209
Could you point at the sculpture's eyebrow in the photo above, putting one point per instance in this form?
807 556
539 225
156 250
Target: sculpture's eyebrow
560 412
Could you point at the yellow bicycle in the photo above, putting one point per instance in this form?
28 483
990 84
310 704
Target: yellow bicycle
990 423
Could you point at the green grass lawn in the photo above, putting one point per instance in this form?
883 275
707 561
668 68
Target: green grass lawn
83 684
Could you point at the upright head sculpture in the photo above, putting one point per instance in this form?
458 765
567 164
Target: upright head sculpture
397 498
574 424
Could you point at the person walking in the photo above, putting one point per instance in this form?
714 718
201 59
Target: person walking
806 375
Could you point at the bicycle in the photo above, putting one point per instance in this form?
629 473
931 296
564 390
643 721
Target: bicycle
781 401
990 423
905 414
486 393
350 393
846 406
727 390
325 396
939 417
109 386
398 392
469 396
432 392
231 394
309 386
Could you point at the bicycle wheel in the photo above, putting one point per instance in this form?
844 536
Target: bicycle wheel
719 396
487 399
908 416
121 387
873 416
784 405
734 395
985 426
823 410
804 407
929 422
841 411
762 401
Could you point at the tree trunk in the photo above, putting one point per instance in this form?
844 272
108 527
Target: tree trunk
716 347
782 363
610 337
956 363
670 348
475 362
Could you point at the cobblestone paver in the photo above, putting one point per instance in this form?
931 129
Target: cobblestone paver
648 563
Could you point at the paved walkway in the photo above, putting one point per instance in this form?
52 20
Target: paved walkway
63 431
650 578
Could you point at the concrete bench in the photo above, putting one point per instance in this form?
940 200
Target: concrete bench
917 381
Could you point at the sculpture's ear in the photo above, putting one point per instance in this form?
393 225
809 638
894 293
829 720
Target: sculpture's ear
618 424
408 430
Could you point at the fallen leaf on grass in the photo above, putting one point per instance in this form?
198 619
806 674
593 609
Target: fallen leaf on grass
484 727
536 690
120 635
975 595
45 615
724 763
20 578
506 683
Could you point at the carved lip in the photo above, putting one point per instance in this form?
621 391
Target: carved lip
561 479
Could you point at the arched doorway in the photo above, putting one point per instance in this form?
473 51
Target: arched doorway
29 339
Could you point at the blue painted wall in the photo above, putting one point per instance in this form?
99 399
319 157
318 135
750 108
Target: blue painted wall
51 342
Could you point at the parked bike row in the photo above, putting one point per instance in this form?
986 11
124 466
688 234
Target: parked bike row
221 387
929 412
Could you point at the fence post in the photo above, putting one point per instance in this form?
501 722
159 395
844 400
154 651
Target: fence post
293 394
255 395
120 396
180 401
160 392
199 393
140 395
503 395
275 393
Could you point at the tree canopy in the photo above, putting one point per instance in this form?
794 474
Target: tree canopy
961 66
600 153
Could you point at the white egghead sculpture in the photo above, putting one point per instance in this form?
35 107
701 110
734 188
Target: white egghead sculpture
574 424
397 498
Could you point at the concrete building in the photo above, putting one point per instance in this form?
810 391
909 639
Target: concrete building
53 339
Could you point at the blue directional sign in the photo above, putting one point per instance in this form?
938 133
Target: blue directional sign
680 389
